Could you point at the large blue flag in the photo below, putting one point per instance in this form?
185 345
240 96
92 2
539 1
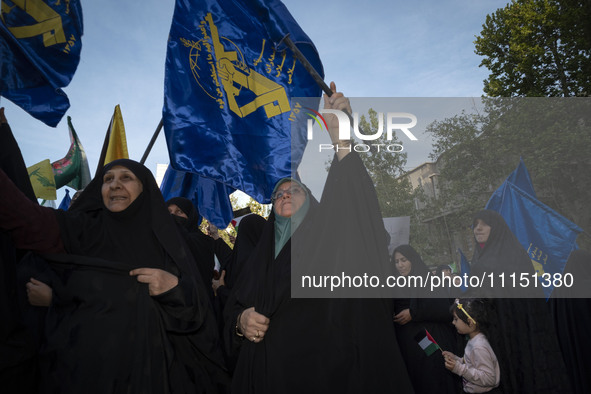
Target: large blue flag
228 85
520 178
40 43
209 197
548 237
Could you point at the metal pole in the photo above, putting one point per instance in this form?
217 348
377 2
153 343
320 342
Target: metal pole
311 70
101 162
152 141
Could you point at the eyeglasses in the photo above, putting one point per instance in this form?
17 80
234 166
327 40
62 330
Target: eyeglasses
292 191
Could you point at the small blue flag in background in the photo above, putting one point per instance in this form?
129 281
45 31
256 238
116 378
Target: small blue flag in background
65 204
464 270
227 111
548 237
40 43
520 178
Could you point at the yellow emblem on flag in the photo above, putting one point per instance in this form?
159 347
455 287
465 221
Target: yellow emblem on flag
244 88
49 22
42 180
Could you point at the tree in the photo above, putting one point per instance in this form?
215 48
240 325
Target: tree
393 188
385 169
465 153
479 151
537 48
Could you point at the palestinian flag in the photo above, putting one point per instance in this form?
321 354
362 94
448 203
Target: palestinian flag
426 342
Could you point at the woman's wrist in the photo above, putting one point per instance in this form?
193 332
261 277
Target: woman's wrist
238 327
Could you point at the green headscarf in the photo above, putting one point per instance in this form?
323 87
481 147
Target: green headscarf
286 226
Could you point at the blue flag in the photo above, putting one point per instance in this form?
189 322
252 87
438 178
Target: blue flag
548 237
40 43
65 204
464 269
228 85
209 197
520 178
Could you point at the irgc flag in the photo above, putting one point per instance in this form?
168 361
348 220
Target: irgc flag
229 79
548 237
40 43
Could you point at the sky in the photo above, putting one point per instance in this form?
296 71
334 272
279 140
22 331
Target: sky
378 48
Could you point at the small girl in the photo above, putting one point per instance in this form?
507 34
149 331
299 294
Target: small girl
479 367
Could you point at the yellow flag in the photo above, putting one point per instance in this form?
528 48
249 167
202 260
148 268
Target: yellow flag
42 180
117 142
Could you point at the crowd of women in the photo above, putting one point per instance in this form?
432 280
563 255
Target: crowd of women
115 296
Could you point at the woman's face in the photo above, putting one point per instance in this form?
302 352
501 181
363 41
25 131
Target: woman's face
289 199
481 231
120 188
403 265
174 209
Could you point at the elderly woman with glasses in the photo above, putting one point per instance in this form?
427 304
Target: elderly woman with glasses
315 345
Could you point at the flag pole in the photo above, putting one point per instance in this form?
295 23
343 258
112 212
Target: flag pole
311 70
101 162
152 141
307 65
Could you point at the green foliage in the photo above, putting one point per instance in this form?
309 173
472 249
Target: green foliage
385 169
477 153
467 177
393 188
537 48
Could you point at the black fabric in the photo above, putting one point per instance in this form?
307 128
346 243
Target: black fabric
18 347
250 230
223 252
572 319
200 244
526 344
319 345
427 373
30 266
249 233
11 161
502 253
189 209
105 333
202 248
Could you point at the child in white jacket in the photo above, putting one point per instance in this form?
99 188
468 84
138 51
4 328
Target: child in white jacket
479 367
